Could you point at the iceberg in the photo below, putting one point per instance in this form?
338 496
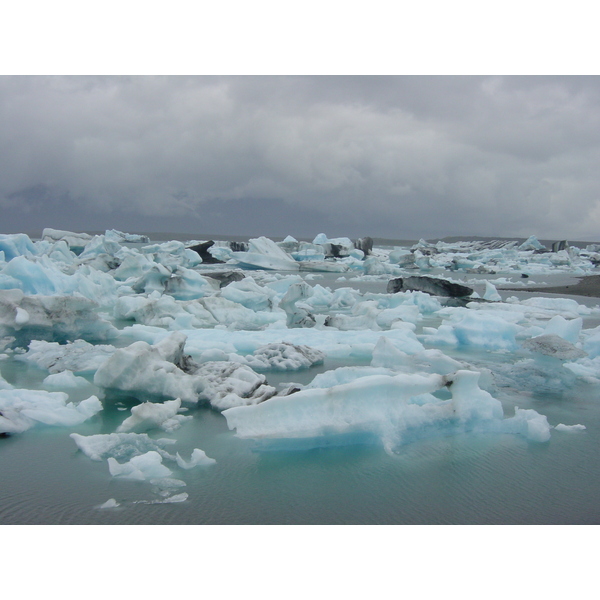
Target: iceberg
389 408
22 409
149 415
76 241
142 370
198 458
58 318
142 467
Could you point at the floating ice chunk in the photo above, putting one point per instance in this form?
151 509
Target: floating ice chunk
76 241
553 345
369 403
149 415
592 342
469 401
284 357
532 243
385 354
186 284
164 311
570 428
110 503
121 237
142 467
364 316
22 409
249 294
16 244
122 446
429 285
78 356
172 499
142 370
65 380
264 253
528 423
392 408
57 317
568 330
343 375
228 384
234 315
491 293
198 458
480 329
558 305
297 316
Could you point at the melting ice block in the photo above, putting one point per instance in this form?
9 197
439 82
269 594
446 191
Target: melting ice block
264 253
150 414
198 458
391 408
228 384
142 467
145 370
22 409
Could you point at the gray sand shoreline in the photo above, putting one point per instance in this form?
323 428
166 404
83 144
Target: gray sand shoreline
586 286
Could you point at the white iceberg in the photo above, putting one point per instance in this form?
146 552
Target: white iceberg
142 467
149 415
22 409
198 458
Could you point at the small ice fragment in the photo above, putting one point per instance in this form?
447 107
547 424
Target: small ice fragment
140 467
198 458
176 498
110 503
570 428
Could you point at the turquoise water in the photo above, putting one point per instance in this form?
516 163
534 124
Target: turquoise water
461 479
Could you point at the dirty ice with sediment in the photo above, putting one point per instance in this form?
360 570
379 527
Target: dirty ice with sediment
165 365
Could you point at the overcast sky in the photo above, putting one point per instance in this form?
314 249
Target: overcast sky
389 156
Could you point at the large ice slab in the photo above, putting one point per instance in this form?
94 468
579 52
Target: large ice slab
390 408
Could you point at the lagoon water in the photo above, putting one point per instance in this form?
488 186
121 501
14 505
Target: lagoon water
468 478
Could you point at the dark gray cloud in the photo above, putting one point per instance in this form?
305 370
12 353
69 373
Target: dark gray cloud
390 156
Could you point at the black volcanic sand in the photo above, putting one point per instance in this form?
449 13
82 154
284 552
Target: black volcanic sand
586 286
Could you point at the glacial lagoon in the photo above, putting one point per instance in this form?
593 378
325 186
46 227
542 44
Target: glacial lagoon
321 397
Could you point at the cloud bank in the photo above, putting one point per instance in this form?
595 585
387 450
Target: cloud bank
390 156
